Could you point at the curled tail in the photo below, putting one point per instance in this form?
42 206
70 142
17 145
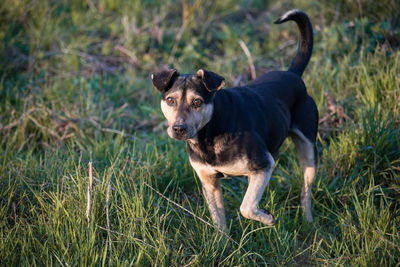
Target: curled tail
303 55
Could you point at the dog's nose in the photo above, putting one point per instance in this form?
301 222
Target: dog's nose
179 129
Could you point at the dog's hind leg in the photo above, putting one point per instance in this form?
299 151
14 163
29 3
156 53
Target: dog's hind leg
308 160
257 184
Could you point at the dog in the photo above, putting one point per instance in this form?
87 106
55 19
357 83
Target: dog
238 131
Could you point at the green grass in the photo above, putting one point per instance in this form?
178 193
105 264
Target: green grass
75 81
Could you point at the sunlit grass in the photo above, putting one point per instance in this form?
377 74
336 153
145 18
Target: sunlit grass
75 82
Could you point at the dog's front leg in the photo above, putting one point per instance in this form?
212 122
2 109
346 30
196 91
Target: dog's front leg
257 184
213 194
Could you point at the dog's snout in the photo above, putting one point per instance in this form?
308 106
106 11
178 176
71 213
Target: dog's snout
179 129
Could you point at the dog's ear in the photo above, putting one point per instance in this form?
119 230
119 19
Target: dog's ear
211 80
163 80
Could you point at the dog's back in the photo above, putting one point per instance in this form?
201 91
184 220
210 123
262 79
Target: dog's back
267 104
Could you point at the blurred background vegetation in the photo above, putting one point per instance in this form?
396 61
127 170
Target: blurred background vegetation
75 80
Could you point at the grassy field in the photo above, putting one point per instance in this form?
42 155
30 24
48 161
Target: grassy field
75 85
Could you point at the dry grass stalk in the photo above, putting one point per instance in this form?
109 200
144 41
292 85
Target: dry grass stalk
107 214
89 192
18 121
249 59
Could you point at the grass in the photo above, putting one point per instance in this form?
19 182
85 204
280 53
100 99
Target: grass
75 82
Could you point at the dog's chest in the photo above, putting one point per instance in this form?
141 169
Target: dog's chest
219 151
236 167
219 157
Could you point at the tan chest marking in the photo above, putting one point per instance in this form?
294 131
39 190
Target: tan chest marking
238 168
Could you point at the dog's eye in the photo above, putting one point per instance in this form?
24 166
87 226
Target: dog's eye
197 102
171 101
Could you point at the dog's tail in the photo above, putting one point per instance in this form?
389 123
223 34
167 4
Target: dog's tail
303 55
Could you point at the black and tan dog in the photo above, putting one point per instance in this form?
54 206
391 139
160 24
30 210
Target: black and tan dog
238 131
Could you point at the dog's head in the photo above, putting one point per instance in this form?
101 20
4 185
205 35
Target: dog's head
187 100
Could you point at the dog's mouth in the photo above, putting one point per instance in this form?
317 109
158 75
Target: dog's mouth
180 137
180 133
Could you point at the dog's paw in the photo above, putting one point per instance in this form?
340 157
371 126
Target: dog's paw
267 217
